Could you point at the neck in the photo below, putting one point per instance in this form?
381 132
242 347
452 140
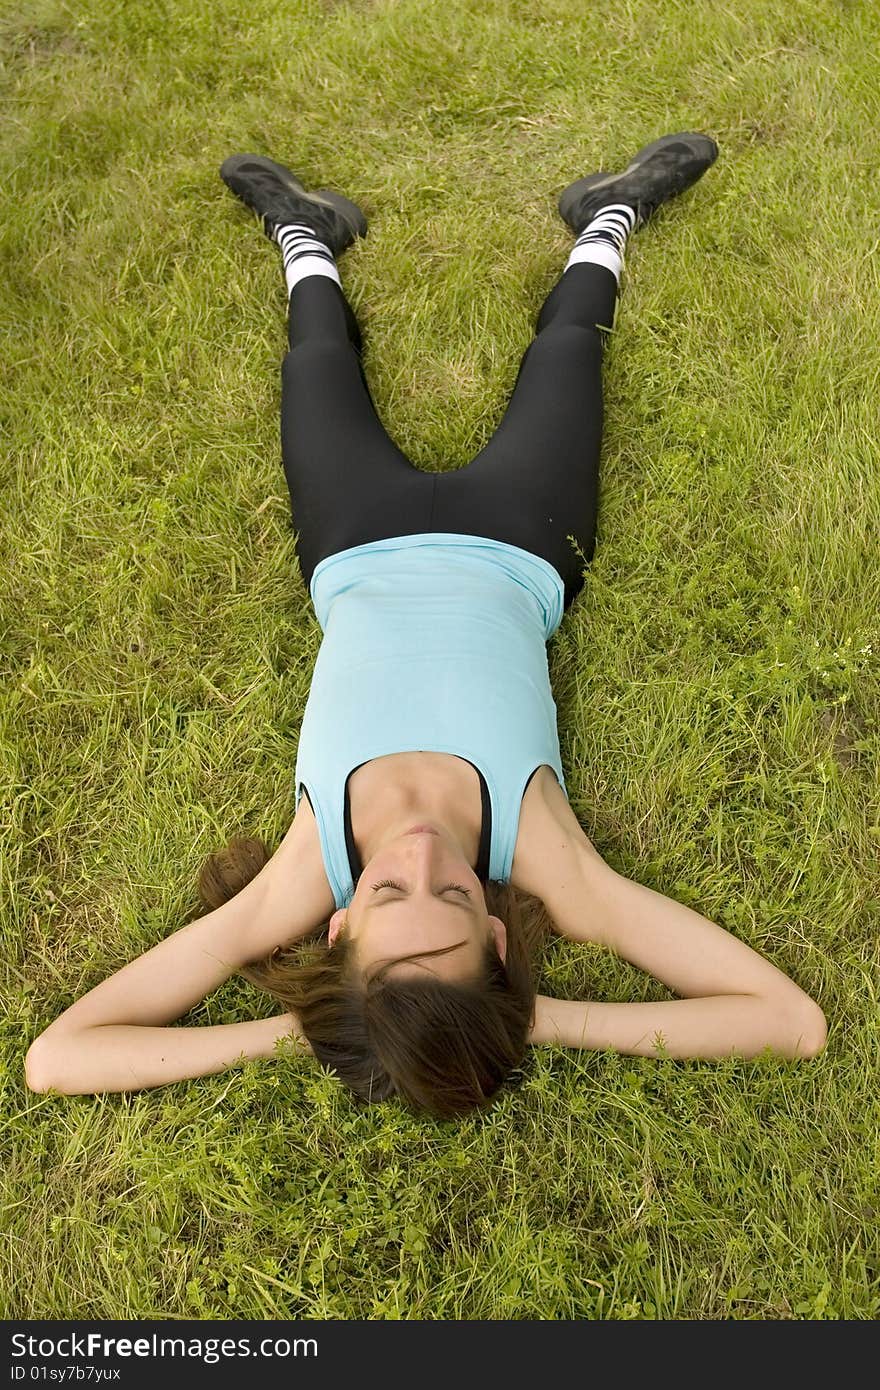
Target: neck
393 804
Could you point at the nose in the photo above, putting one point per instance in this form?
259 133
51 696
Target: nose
425 852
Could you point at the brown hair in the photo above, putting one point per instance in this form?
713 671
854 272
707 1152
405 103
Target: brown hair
439 1046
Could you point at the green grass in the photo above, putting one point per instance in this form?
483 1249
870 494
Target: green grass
717 679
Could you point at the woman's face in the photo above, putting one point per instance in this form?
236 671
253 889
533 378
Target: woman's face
437 901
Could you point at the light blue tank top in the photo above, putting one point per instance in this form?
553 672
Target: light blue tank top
433 642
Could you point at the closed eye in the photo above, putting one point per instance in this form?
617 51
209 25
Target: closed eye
387 883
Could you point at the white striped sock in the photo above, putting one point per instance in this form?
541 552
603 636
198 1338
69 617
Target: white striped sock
304 254
603 239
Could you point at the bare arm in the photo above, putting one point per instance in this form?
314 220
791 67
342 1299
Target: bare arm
116 1038
711 1027
734 1001
121 1057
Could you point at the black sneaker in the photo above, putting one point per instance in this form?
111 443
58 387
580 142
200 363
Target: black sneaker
279 197
665 167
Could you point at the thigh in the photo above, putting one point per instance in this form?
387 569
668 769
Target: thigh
536 483
348 481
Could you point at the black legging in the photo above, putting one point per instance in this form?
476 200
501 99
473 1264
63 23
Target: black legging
536 481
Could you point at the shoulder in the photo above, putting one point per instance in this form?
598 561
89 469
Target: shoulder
298 861
550 841
302 841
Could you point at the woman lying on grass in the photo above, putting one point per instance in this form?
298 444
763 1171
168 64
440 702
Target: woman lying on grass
430 798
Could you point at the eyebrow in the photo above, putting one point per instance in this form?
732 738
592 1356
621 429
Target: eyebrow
468 907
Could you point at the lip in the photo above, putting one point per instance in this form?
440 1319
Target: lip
421 830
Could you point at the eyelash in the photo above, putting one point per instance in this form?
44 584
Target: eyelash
387 883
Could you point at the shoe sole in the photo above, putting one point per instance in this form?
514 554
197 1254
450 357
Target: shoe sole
327 197
571 196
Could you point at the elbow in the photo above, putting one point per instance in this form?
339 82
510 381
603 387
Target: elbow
814 1033
38 1067
42 1066
809 1028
